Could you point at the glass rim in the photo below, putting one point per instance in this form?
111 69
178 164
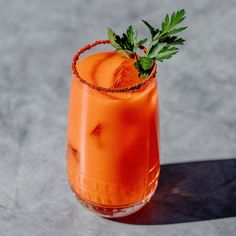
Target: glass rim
100 88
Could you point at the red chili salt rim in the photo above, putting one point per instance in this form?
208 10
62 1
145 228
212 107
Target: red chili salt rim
103 89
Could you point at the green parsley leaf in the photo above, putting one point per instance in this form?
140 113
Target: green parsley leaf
127 43
166 53
175 31
139 64
174 40
168 26
114 39
132 35
146 62
156 49
161 46
152 30
142 42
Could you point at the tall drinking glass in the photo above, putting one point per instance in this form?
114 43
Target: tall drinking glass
112 142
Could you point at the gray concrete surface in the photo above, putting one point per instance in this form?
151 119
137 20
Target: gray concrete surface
198 118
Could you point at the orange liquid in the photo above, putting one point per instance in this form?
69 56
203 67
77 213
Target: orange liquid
113 138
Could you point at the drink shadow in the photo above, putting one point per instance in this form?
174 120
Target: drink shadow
189 192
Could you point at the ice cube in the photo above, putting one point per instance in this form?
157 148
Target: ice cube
126 74
97 130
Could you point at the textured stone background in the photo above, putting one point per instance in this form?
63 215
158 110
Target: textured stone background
197 105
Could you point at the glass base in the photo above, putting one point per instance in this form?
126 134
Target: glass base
114 211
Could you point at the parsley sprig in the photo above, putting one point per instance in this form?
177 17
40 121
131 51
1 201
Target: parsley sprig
162 45
128 43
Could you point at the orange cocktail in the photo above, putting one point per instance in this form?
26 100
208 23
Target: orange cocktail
113 133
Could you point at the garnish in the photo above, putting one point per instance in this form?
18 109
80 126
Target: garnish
128 43
162 45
